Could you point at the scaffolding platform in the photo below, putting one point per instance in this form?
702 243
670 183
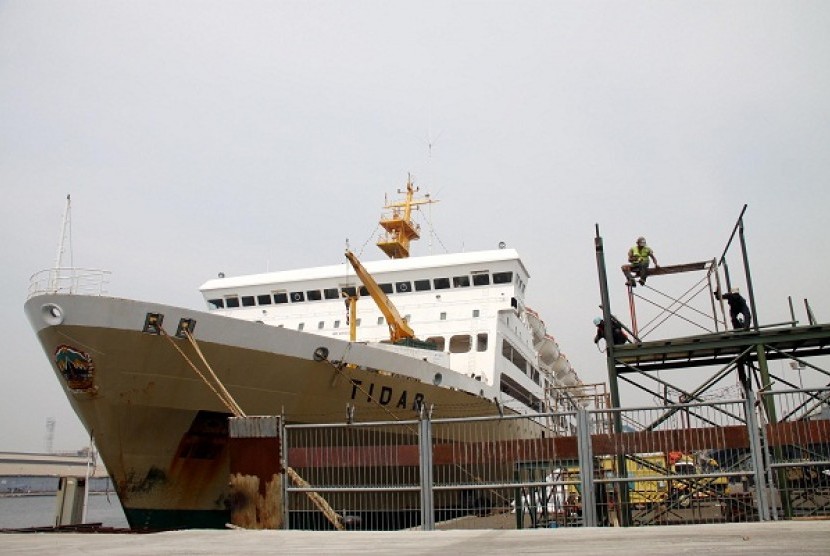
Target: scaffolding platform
673 269
722 348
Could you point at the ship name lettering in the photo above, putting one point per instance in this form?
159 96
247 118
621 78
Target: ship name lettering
386 395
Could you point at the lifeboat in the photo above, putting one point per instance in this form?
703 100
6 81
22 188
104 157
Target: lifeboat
548 350
561 367
537 326
570 378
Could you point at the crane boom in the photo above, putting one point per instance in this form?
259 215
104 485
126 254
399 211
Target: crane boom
398 328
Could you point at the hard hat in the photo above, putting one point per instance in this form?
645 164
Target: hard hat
641 239
735 290
597 321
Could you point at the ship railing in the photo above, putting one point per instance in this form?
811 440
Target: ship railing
80 281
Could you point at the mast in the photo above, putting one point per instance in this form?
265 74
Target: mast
65 225
400 229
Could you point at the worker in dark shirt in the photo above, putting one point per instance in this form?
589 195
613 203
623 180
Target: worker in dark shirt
738 309
617 334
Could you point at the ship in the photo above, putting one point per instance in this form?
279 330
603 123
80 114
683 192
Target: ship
378 341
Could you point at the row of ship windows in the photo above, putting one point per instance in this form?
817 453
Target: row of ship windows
381 320
282 296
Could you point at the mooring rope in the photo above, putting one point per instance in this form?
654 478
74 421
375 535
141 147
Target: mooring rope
227 395
234 410
333 517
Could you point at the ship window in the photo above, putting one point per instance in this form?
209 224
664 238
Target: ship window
438 341
357 322
441 283
314 295
301 326
502 277
216 303
422 285
482 279
380 321
476 313
296 297
280 297
516 390
248 301
512 355
461 281
387 288
320 325
460 343
364 291
350 291
481 341
263 299
403 287
337 324
330 293
443 316
232 302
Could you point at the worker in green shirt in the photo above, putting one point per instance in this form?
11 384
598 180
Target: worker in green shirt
638 261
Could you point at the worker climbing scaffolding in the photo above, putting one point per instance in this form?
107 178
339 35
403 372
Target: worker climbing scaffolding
617 334
738 309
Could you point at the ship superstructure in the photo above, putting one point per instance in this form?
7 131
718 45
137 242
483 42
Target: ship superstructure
470 306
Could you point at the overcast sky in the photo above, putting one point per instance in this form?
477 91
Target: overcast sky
199 137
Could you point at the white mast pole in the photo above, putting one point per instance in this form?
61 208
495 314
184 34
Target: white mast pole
61 247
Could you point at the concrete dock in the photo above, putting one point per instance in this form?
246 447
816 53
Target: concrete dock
773 538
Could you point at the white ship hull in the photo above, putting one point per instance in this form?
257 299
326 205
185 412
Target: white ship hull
162 432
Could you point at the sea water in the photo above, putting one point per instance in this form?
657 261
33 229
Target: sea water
39 511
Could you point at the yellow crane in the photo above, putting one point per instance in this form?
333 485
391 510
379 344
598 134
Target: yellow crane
399 329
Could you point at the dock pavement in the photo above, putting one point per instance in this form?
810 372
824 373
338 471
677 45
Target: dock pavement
780 538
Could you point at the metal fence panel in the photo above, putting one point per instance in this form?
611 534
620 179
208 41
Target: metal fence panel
687 463
798 448
367 473
511 471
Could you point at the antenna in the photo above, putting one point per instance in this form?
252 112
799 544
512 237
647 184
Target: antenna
430 141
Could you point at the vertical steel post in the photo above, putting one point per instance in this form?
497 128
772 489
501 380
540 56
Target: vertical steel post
792 310
586 468
284 463
425 457
613 386
750 291
606 318
756 454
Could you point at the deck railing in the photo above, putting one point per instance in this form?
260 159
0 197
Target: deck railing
82 281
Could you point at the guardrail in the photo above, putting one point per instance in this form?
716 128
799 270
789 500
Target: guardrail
81 281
